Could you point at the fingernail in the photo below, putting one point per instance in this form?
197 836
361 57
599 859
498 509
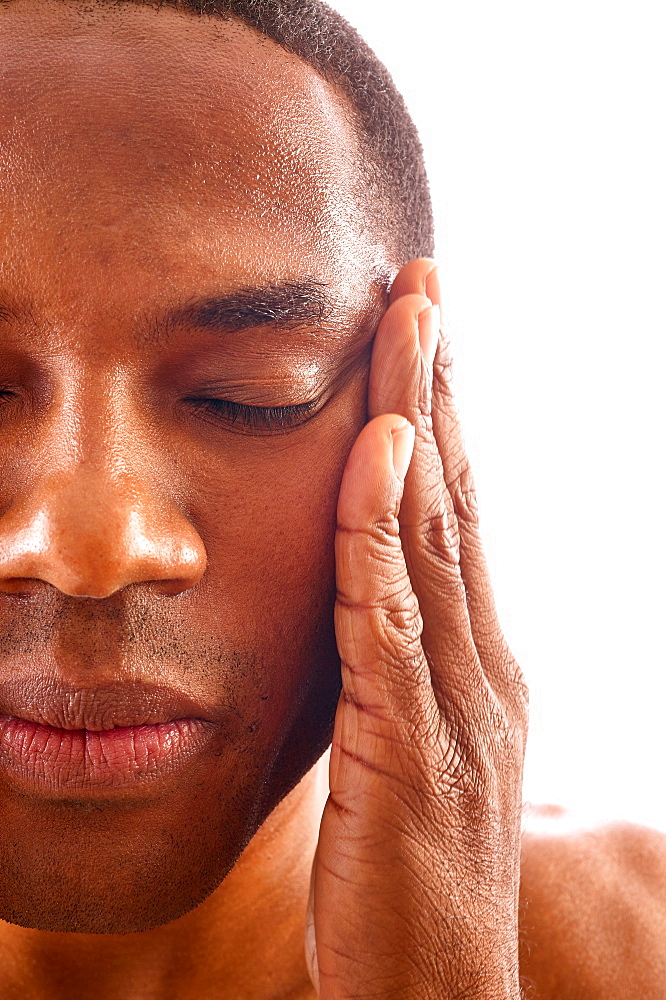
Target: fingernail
433 287
403 447
429 322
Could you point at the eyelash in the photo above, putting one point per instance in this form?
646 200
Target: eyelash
267 417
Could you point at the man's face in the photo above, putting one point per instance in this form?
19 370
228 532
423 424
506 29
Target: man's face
151 163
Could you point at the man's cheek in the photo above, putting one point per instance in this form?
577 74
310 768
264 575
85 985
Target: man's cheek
268 512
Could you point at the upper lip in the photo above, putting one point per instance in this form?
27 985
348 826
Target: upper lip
51 701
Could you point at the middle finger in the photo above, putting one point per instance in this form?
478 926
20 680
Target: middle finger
401 382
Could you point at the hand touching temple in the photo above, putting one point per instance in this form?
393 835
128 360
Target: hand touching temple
261 736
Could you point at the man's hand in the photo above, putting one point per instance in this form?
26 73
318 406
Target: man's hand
414 890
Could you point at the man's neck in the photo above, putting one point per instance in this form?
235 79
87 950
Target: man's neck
245 941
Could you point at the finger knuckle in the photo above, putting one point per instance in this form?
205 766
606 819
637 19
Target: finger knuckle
434 538
370 567
378 529
443 369
388 631
460 484
405 627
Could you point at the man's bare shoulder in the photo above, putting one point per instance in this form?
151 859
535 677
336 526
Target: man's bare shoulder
593 909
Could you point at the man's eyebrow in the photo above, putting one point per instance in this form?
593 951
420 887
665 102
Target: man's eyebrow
290 305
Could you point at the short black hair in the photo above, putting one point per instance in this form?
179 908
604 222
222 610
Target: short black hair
396 190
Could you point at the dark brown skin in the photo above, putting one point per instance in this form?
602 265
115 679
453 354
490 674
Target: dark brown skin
149 159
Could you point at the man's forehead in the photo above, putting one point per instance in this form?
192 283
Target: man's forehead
168 137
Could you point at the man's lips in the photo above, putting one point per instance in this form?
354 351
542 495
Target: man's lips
51 701
55 735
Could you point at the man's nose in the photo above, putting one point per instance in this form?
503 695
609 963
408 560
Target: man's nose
93 525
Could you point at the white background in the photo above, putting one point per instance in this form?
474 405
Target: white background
544 130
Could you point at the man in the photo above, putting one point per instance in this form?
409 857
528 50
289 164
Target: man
238 528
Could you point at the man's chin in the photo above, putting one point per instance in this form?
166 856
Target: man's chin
88 867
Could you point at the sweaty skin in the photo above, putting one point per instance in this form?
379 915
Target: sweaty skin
151 159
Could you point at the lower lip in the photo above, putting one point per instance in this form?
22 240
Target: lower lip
79 758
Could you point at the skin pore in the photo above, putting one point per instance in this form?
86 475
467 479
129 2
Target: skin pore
152 161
